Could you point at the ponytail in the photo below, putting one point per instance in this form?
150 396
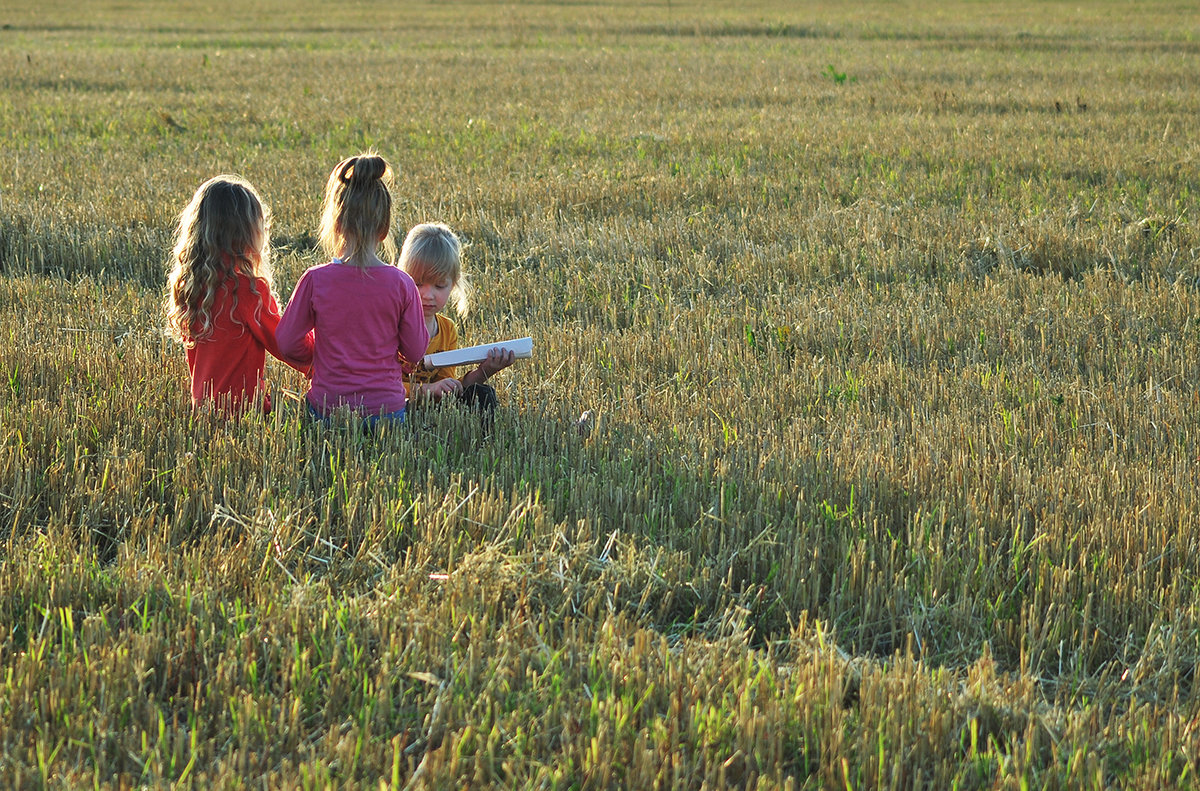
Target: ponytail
357 210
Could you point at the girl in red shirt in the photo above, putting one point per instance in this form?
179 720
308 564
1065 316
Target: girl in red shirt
219 302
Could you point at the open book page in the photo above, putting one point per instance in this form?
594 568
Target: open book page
522 348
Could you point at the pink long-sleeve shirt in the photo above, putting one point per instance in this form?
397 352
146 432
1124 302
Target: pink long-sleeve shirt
369 324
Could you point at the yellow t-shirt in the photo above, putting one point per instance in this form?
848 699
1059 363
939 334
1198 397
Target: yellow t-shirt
445 340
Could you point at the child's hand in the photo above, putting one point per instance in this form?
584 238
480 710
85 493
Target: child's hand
438 390
497 360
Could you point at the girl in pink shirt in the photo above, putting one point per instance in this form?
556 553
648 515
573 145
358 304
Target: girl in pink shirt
366 312
219 302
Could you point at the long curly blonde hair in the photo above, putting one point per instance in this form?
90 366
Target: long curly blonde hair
224 231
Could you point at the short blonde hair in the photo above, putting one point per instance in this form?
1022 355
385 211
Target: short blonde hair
432 252
357 213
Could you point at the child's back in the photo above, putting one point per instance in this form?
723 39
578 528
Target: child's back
227 366
219 302
366 313
363 316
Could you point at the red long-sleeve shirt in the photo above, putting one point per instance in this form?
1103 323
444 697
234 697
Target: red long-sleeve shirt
227 366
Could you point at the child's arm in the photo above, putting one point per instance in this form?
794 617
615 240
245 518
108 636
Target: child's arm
434 391
497 360
264 325
293 331
414 338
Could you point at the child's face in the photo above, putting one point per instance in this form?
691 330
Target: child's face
435 292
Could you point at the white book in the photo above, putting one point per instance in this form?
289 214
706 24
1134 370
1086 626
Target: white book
470 355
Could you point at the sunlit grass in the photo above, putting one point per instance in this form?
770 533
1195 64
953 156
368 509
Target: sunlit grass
884 320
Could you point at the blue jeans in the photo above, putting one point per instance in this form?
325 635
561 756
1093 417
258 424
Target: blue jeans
368 423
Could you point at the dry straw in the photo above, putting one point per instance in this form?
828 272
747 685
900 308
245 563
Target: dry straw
888 474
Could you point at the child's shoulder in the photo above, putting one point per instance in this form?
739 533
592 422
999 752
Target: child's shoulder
447 332
327 271
253 288
244 282
340 269
328 266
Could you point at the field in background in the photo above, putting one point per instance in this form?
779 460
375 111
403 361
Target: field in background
886 316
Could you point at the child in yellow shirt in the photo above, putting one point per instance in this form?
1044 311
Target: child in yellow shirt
432 256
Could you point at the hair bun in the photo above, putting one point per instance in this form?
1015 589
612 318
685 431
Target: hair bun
362 169
368 168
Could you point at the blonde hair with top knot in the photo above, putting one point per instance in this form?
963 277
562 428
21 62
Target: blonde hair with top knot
356 216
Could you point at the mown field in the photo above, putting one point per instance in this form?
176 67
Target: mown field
885 315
